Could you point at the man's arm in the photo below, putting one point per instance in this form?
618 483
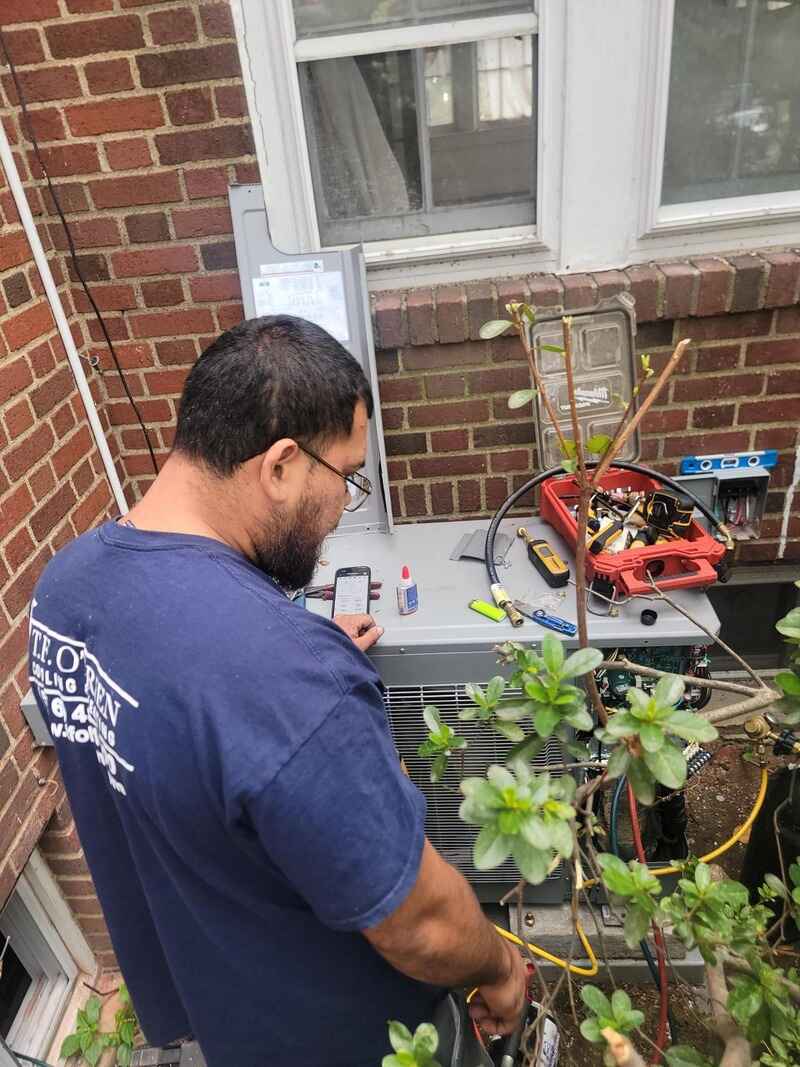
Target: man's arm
440 935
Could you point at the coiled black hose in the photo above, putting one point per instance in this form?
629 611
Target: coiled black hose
509 502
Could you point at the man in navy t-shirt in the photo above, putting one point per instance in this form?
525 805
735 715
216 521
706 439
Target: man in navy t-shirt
260 858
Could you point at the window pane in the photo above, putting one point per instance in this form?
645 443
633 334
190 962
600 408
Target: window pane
733 124
314 18
388 163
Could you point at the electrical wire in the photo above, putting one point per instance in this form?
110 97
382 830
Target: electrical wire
586 972
71 245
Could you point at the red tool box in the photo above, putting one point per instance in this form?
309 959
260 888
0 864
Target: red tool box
684 563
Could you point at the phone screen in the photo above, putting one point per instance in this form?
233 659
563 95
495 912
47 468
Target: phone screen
352 594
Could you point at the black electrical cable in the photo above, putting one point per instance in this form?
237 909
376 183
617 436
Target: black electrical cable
510 501
71 245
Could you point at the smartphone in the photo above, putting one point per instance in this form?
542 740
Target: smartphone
351 591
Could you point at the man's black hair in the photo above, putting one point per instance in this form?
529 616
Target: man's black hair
268 378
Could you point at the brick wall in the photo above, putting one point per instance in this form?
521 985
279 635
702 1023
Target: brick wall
52 487
455 449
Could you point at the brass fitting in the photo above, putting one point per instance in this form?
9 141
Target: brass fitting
759 729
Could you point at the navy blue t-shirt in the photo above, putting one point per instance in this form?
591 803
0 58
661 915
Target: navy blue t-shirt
228 761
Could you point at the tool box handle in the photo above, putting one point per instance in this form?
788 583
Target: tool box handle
700 573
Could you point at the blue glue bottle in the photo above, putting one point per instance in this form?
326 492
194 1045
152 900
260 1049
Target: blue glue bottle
407 598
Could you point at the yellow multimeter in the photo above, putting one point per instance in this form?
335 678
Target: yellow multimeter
545 559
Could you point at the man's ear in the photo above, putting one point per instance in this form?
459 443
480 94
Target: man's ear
280 470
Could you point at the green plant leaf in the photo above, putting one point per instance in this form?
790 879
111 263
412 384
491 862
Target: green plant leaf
590 1031
438 768
668 691
94 1051
789 625
525 751
510 712
432 720
581 662
553 654
93 1007
501 777
569 465
617 876
642 781
568 448
789 683
70 1047
777 886
667 765
491 848
509 730
522 397
400 1036
596 1000
551 348
86 1037
402 1059
690 727
685 1056
702 876
637 922
620 1004
124 1053
579 719
494 328
426 1040
598 443
495 689
744 999
532 862
651 736
618 762
545 719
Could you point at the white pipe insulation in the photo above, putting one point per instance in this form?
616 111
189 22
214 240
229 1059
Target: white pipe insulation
17 191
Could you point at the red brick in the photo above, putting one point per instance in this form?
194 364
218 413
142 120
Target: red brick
406 444
499 380
55 389
14 377
645 282
22 457
116 116
429 357
202 184
723 327
16 507
610 283
219 287
175 26
247 173
165 382
776 410
502 462
151 410
87 233
89 37
783 279
414 500
24 46
170 323
87 512
761 353
109 76
190 106
444 386
14 250
19 549
788 320
716 280
219 255
63 160
713 416
748 281
218 142
399 389
173 259
116 326
665 421
131 154
392 418
707 444
469 496
451 317
22 328
217 20
438 466
710 389
546 290
72 451
89 7
787 381
781 437
421 317
71 196
29 10
449 440
49 83
140 189
441 414
174 352
18 418
149 228
511 291
681 281
48 124
231 101
442 498
165 293
723 357
189 65
513 433
45 518
580 291
230 315
202 221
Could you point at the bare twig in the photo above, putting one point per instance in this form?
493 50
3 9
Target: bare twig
690 679
627 429
714 637
538 384
741 707
737 1047
622 1051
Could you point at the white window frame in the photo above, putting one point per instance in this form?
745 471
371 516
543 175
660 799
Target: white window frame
602 108
273 90
47 939
720 216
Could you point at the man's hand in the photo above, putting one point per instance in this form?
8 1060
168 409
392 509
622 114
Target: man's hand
498 1008
361 629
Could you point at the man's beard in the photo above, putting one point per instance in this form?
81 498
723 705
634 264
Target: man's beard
290 546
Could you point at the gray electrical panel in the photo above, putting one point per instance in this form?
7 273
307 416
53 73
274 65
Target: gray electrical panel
329 288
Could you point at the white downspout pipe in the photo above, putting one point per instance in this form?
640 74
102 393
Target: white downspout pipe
17 191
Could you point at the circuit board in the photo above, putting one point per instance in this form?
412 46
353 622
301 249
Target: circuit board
680 659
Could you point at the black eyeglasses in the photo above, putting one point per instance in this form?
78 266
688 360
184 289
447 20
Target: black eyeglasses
358 485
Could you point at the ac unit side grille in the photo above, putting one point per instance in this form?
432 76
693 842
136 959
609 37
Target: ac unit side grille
448 834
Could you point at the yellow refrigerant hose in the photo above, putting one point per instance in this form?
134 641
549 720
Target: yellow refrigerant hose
659 872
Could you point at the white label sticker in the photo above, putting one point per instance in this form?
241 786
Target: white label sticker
318 297
300 266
